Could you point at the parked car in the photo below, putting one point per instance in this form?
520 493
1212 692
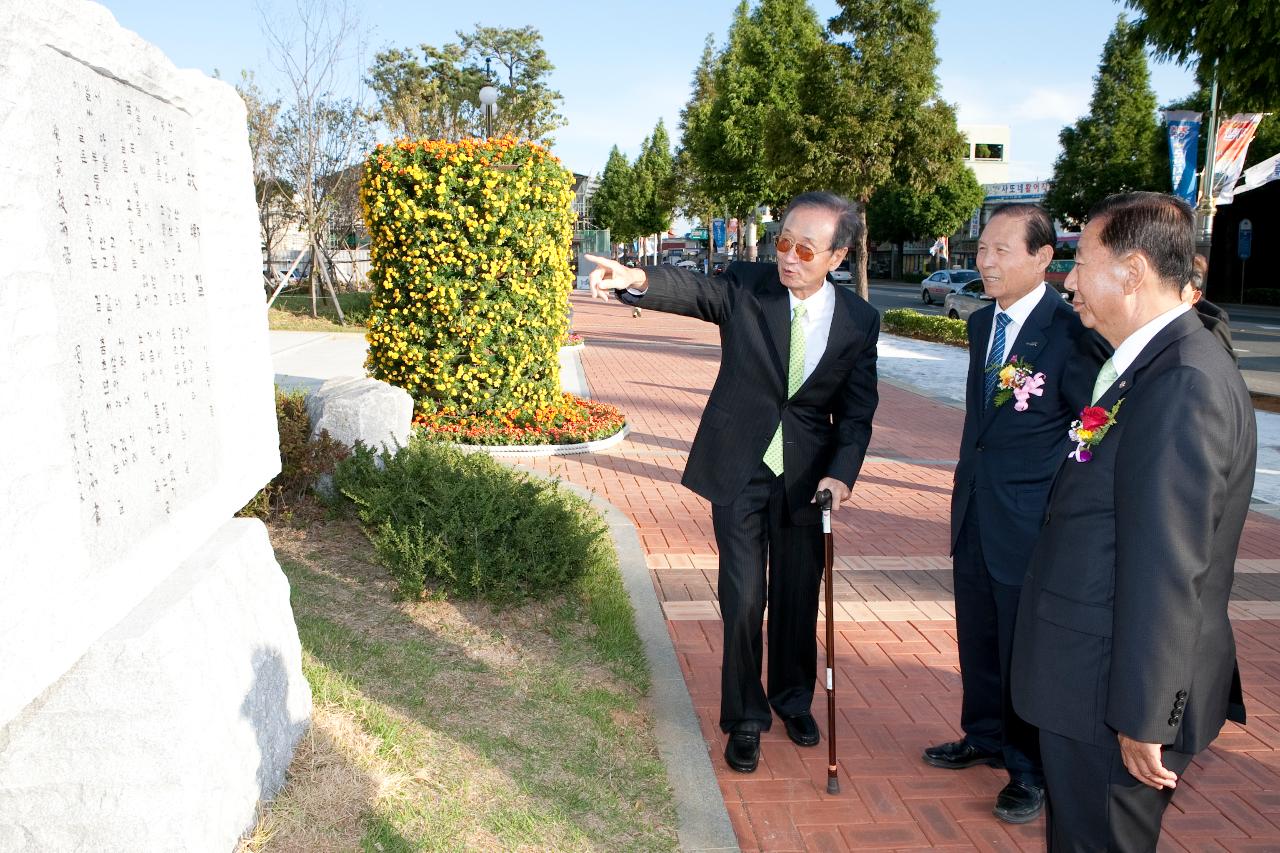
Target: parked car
964 301
1056 275
689 264
841 274
718 267
936 287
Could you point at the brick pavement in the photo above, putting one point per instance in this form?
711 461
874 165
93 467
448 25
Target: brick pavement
897 677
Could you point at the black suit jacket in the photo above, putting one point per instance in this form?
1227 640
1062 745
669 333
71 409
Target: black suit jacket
1008 458
826 425
1122 625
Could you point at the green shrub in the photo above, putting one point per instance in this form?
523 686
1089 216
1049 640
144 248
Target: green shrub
927 327
914 277
464 525
1262 296
303 459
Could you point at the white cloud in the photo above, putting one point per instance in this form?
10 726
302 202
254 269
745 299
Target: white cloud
1062 105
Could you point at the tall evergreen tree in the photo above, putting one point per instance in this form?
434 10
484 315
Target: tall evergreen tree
1110 149
613 205
654 180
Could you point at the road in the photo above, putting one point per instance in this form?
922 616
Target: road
1254 330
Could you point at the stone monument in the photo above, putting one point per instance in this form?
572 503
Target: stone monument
152 690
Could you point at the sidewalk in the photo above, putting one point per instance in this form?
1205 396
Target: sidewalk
897 679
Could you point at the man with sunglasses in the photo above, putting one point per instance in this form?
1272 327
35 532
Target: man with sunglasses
790 414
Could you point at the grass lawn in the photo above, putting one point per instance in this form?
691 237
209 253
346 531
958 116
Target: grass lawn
292 312
443 725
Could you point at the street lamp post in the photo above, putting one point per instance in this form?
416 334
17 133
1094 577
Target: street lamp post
488 100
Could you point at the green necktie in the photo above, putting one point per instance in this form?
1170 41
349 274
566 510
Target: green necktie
795 378
1106 376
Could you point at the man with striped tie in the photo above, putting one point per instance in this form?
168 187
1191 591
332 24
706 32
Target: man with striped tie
1031 363
789 415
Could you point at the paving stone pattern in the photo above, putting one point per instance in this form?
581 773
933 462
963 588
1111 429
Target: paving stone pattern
897 677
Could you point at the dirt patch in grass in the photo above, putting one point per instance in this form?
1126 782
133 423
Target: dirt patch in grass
449 725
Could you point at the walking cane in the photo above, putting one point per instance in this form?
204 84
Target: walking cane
833 784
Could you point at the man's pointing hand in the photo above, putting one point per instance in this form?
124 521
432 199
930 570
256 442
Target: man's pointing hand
611 275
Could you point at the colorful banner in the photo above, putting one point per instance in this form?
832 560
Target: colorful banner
1234 136
1184 139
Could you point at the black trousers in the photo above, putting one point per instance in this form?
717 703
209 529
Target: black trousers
985 613
765 558
1094 805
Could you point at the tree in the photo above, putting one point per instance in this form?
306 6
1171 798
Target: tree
273 196
900 211
434 97
654 178
437 96
1240 37
889 120
613 205
1110 150
321 132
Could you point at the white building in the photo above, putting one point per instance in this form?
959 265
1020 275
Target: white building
987 152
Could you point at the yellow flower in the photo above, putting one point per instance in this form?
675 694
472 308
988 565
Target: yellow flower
1084 434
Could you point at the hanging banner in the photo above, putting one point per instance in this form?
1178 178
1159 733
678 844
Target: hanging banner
1260 173
1184 139
1234 137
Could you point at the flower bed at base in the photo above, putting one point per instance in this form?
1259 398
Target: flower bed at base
574 420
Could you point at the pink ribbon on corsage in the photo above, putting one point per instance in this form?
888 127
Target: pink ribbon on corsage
1033 385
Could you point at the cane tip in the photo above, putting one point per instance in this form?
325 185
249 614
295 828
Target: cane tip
833 786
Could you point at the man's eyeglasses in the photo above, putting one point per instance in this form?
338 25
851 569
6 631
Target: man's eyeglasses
804 253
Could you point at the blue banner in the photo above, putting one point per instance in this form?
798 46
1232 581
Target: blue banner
1184 140
718 230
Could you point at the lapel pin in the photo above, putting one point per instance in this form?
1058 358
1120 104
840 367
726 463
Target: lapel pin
1033 343
1122 385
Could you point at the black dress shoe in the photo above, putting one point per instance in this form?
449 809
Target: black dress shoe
802 729
742 753
1019 802
960 754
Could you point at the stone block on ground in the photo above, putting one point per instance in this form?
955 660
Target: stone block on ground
171 727
355 409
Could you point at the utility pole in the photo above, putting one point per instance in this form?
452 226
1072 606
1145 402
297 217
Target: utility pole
1204 240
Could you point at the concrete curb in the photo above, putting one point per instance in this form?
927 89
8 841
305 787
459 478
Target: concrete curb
703 820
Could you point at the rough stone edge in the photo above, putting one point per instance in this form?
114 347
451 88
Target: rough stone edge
703 820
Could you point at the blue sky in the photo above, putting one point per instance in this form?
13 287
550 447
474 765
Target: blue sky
621 65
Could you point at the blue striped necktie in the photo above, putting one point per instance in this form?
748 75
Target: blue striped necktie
996 356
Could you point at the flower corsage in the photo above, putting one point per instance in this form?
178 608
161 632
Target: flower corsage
1090 429
1017 380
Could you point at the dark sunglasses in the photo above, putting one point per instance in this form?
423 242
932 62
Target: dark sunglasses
804 253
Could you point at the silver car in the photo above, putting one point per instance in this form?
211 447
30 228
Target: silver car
936 287
963 302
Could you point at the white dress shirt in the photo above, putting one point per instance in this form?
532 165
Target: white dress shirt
1131 346
819 309
1018 313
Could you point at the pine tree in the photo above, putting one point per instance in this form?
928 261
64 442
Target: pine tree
1110 150
654 179
613 205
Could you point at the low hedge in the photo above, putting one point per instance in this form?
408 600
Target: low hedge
452 524
927 327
